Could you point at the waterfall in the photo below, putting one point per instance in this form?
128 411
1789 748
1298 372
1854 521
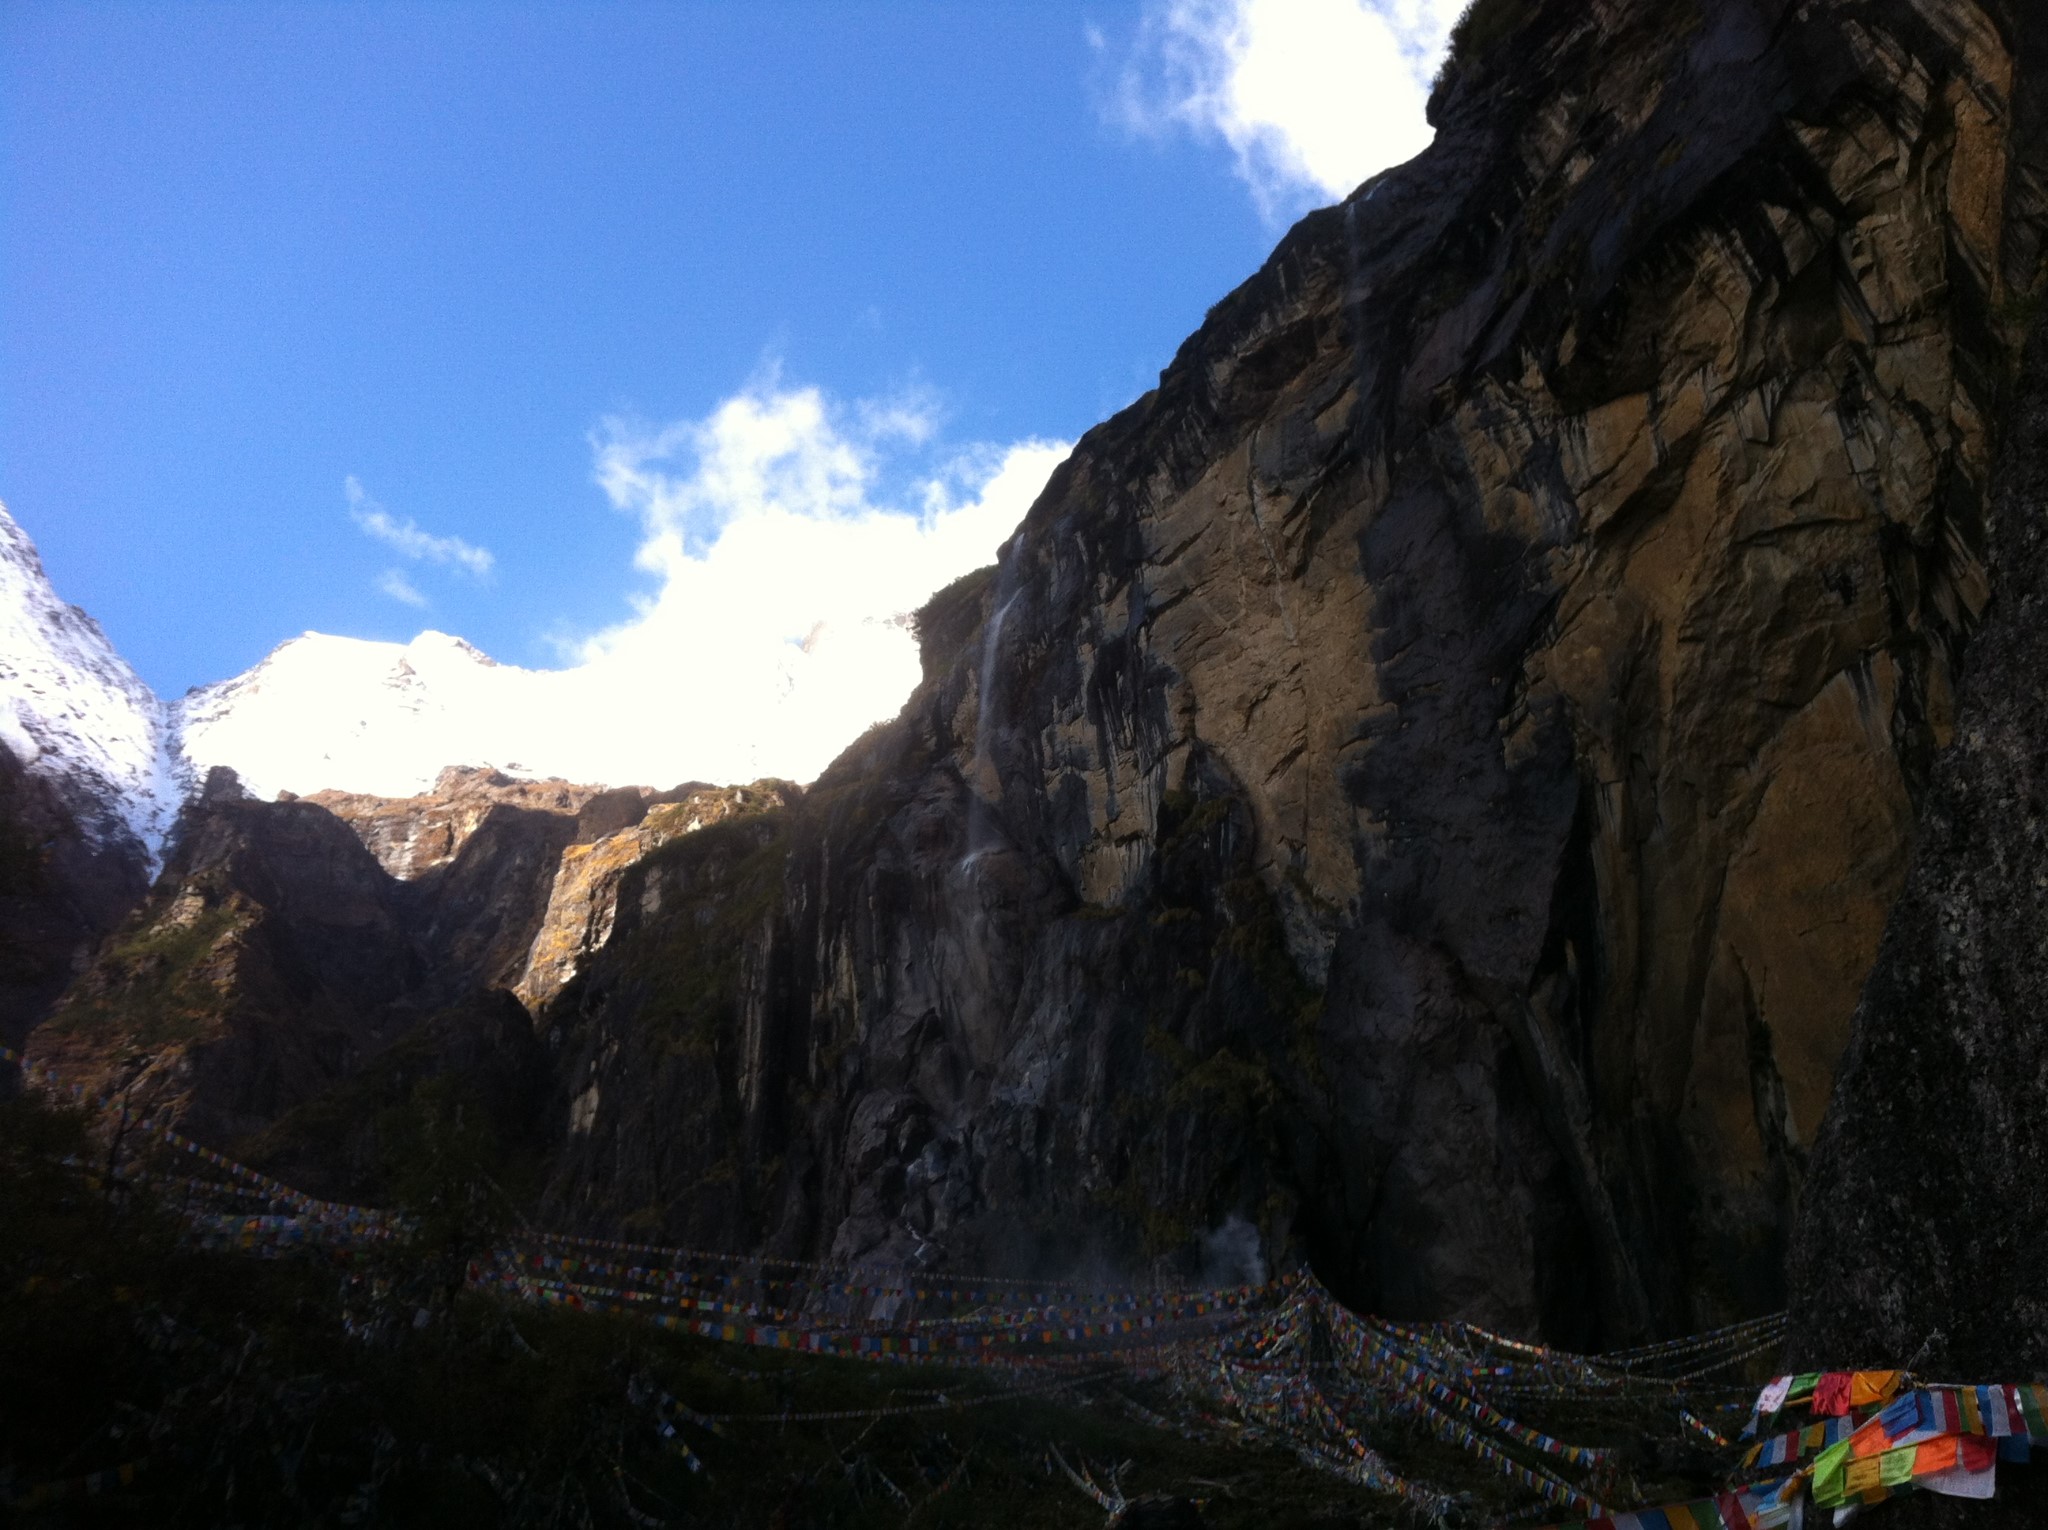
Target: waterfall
985 785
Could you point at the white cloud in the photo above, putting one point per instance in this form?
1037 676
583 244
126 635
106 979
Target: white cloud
410 540
1312 96
394 583
789 540
787 571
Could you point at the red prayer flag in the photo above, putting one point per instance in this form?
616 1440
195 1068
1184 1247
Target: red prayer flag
1831 1393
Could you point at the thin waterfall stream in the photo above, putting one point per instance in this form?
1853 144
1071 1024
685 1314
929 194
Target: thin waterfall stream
985 782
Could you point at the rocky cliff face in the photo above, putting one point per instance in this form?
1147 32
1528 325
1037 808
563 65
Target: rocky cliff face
269 961
61 890
1423 787
1429 780
411 836
88 785
1920 1238
583 900
281 976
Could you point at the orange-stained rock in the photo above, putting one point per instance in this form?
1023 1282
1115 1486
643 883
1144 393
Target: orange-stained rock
583 901
412 835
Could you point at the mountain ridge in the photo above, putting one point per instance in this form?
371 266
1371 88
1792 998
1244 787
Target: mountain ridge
318 713
1423 787
77 716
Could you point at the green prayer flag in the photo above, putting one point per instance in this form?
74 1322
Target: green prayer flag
1829 1467
1896 1466
1973 1415
2032 1410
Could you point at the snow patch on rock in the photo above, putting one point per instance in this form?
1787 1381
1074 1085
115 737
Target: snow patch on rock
73 712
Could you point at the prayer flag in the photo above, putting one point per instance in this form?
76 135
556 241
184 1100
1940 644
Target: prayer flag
1964 1481
1869 1388
1934 1456
1831 1393
1998 1410
1828 1470
1901 1416
2034 1409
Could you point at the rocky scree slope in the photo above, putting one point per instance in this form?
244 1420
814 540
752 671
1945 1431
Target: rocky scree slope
1428 781
1422 788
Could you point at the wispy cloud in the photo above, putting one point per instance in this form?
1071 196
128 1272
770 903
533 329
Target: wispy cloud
411 540
1311 96
394 583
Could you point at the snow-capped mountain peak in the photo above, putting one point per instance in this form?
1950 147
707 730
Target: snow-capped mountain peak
384 718
74 713
320 712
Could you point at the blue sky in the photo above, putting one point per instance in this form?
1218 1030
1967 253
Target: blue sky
296 301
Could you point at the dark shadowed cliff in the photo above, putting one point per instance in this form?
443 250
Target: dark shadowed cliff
280 986
1424 786
62 889
1921 1238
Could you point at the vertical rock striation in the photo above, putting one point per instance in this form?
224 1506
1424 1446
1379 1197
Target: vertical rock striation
1428 780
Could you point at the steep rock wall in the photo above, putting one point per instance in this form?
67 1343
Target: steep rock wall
62 889
411 836
1422 788
582 901
87 787
1920 1238
268 961
281 984
1428 781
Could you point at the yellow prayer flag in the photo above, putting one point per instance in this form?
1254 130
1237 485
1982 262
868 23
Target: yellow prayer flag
1869 1388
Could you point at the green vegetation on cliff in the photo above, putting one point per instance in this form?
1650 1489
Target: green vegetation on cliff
162 984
